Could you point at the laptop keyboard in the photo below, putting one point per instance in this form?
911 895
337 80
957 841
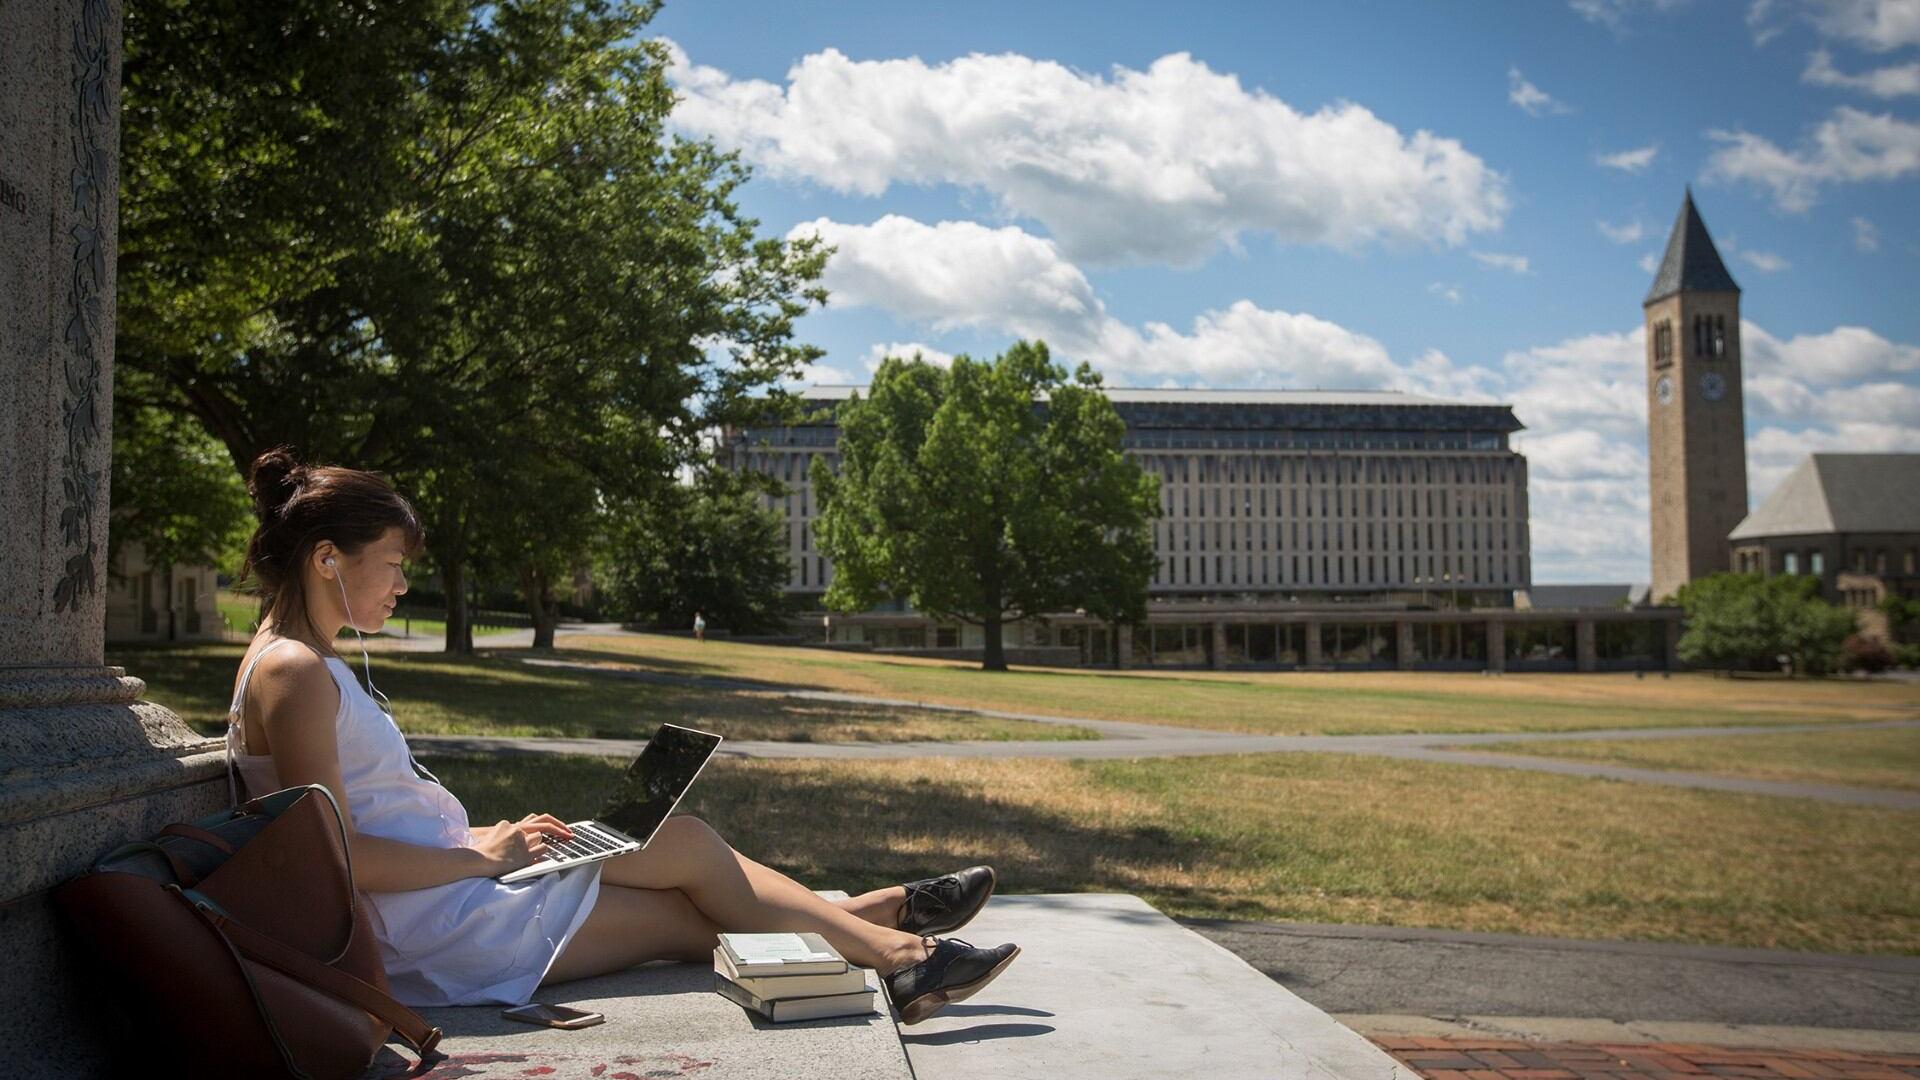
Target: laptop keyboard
587 841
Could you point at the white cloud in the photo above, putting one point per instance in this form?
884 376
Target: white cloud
1516 263
1765 261
1531 99
1866 236
1630 233
1878 25
1633 161
906 350
1612 14
1896 80
1650 262
1167 164
1850 146
823 375
959 274
1450 293
1760 21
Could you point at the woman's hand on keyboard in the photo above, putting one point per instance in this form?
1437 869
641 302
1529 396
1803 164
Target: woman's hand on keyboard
510 845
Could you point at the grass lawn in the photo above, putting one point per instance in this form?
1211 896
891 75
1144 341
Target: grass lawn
433 693
240 610
1334 703
1326 838
1883 758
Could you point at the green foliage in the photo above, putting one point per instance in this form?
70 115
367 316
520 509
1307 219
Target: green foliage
1747 621
174 491
1903 617
986 492
452 241
707 547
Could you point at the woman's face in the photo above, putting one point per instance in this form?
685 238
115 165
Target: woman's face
373 581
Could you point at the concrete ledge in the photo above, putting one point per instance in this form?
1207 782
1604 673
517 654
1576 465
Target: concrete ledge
662 1020
1107 987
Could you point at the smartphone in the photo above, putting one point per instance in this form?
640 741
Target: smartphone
558 1016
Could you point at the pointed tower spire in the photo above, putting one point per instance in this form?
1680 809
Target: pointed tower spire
1692 263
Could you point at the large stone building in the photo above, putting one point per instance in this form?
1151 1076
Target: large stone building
1298 528
1696 430
1850 520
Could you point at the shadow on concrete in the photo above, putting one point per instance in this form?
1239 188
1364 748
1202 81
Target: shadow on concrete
981 1033
991 1010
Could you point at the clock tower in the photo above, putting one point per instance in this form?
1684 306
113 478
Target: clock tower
1696 428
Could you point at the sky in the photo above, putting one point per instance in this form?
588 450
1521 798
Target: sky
1464 200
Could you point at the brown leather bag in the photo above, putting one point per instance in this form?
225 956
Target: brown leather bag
239 945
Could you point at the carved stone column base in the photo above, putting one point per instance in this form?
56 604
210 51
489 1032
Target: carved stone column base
85 766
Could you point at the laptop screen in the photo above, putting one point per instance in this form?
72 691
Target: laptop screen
656 780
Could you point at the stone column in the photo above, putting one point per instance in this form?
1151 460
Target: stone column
1672 657
1496 645
1313 645
1403 644
1123 645
1585 656
1218 655
84 764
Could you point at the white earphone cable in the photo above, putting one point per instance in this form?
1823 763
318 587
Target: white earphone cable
367 665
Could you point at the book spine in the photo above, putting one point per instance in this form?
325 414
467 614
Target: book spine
739 996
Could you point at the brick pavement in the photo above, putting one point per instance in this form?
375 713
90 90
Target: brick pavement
1506 1059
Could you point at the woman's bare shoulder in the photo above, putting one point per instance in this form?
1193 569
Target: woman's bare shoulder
295 668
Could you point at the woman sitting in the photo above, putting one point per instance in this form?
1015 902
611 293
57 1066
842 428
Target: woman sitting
328 554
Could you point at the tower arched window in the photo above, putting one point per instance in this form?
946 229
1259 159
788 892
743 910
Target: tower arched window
1719 335
1663 343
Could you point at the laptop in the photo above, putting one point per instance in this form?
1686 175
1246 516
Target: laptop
654 783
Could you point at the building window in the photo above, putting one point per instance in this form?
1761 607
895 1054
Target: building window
1791 562
1719 335
1817 563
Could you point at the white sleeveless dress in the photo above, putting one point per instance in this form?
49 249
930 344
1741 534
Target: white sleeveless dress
474 941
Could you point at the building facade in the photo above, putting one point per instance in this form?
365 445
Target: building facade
1850 520
1696 430
1299 529
1272 494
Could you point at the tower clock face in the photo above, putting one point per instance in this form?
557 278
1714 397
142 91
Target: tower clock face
1663 389
1713 385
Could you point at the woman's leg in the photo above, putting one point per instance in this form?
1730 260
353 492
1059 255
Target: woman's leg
881 906
737 893
632 926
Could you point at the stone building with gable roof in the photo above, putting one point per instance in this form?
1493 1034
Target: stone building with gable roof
1850 520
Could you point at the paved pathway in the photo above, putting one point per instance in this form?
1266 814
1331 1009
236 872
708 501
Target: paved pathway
1398 971
1119 739
1508 1059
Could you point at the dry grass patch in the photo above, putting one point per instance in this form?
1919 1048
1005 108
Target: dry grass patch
1326 838
1872 758
1280 702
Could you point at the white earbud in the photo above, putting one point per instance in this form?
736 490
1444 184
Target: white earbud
366 664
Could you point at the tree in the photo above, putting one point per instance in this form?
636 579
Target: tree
443 239
174 493
707 547
987 493
1746 621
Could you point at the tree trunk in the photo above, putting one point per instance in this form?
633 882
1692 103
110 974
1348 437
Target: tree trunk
995 658
538 591
454 576
167 577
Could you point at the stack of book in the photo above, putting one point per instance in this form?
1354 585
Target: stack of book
789 977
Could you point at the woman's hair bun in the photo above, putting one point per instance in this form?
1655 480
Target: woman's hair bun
275 479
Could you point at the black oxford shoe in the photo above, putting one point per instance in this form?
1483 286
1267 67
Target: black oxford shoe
942 905
953 971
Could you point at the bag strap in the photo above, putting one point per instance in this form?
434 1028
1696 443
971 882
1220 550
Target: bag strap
194 832
406 1023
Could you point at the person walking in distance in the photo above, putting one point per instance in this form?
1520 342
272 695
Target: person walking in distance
699 627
